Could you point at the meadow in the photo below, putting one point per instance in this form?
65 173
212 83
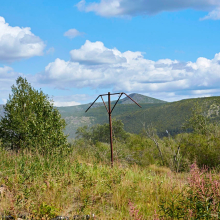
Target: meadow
79 181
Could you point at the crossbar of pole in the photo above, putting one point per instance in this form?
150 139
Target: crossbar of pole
109 111
116 102
105 105
132 99
101 96
92 104
117 93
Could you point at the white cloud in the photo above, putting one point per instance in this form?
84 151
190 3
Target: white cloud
131 72
173 96
50 50
7 75
205 92
71 100
96 53
117 71
72 33
17 43
63 103
7 79
213 15
115 8
4 101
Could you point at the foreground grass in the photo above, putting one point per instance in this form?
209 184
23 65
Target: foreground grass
47 186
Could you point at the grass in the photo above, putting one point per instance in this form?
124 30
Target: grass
78 181
46 186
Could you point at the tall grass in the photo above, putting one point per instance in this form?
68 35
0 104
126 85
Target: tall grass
200 199
67 184
80 181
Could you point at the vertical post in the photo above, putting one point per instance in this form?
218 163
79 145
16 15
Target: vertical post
110 126
109 110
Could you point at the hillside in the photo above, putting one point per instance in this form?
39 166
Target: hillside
162 116
169 116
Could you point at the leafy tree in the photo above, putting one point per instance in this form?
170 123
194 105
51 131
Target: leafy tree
30 120
198 121
101 132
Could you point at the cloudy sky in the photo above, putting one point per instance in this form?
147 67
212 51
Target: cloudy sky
75 50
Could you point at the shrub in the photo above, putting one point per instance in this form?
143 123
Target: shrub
100 133
205 150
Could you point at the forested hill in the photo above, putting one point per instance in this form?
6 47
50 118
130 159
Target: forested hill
170 116
140 99
162 116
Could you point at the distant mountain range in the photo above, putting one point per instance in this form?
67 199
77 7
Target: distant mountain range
139 99
162 115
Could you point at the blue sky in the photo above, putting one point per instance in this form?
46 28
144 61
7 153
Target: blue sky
75 50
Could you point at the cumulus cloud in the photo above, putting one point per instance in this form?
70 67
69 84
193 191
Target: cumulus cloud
72 33
114 8
17 43
96 53
131 72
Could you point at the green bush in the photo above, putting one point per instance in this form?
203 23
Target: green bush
100 133
203 149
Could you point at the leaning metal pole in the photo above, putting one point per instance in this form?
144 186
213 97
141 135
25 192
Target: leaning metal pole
109 110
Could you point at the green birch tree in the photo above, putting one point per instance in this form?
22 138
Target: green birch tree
30 120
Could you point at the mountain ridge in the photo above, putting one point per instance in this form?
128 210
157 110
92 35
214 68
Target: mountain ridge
139 98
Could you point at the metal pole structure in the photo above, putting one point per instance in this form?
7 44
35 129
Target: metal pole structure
109 110
110 126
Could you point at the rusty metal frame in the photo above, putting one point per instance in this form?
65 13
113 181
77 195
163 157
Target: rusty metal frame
109 111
